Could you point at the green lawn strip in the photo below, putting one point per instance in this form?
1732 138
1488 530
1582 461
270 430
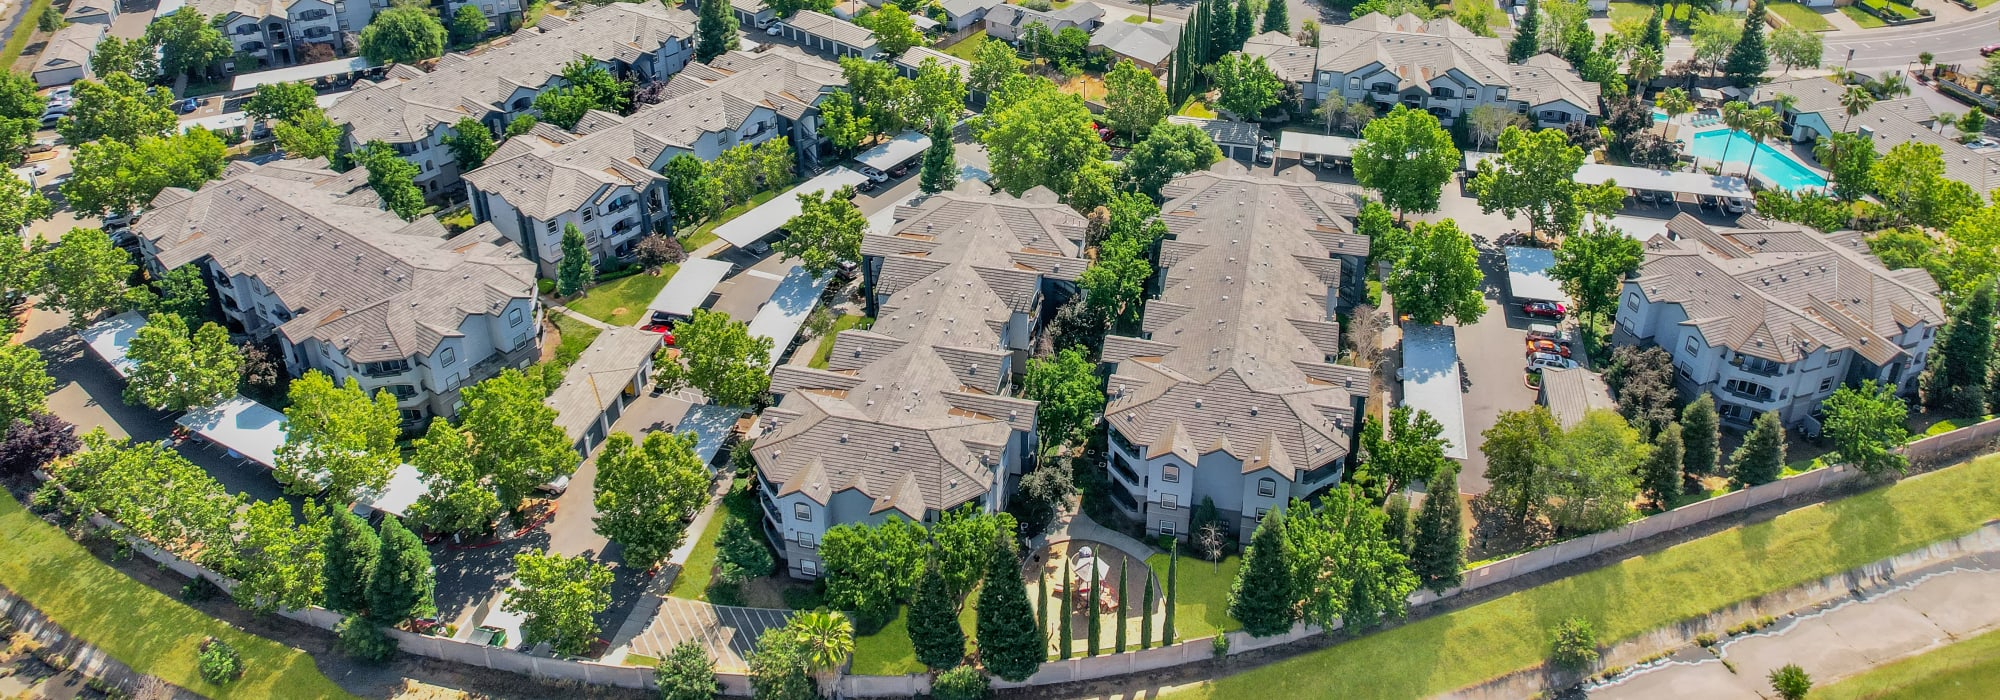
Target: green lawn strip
1801 16
1195 108
1630 10
705 234
825 349
620 302
1969 669
1141 19
1862 18
147 630
887 652
1471 645
1201 598
25 30
692 582
1951 424
969 46
576 335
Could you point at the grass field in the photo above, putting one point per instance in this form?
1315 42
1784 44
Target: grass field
1471 645
1951 424
887 652
825 349
1801 16
692 582
1967 670
969 46
1201 597
1862 18
620 302
147 630
705 233
1197 109
576 335
18 41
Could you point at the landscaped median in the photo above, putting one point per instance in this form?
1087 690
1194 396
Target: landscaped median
1967 669
1479 643
147 630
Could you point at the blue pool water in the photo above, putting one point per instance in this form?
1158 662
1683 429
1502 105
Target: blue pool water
1659 116
1772 166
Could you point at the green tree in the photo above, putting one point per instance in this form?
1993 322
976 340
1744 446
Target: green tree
279 560
521 124
1749 57
1761 457
1797 48
778 667
1434 273
843 123
933 622
313 136
175 372
992 64
962 683
560 597
871 569
1700 431
1173 582
576 269
1956 378
1535 176
351 551
1094 625
721 359
403 34
1406 158
1043 138
1263 596
339 437
691 191
470 142
1400 527
1070 397
1592 266
1591 478
1345 567
1065 636
826 639
1010 645
940 171
392 178
1849 159
715 30
1791 682
1276 20
1660 475
182 292
1412 452
1118 617
1477 17
402 585
188 43
961 538
687 673
1133 100
1248 87
826 232
1519 449
468 25
1867 424
1115 283
283 101
1437 550
1655 35
119 109
880 95
1169 151
24 384
740 552
1527 37
1573 644
155 493
894 31
937 96
129 56
109 175
1714 36
1911 182
84 275
647 492
20 205
587 86
515 441
455 499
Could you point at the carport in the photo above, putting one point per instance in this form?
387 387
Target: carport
405 486
688 290
771 216
1676 182
110 338
897 151
1431 381
293 74
782 316
1237 140
1334 149
248 429
1528 277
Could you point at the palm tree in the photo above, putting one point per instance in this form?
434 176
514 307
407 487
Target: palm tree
1760 124
1784 103
1674 101
1890 86
1856 100
829 639
1735 115
1644 67
1926 58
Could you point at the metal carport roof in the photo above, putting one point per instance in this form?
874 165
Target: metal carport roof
761 221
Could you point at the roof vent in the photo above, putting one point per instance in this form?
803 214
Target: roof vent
897 445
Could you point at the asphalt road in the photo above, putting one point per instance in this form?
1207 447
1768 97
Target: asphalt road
1897 47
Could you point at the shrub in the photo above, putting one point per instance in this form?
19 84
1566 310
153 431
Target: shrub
1706 639
219 662
962 683
1037 5
1219 646
545 286
1575 644
198 590
364 641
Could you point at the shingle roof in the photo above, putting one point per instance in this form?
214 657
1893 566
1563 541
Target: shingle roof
1288 60
831 27
354 276
597 377
1149 43
961 8
1570 393
914 58
404 109
1016 15
1419 51
548 171
913 411
70 46
1237 347
1782 291
1890 122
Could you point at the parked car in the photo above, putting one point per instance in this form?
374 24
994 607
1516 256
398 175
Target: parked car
867 185
1542 360
118 218
776 29
1709 202
846 271
1265 155
1543 331
556 487
873 174
1544 309
900 169
1735 205
1989 49
38 169
186 105
1647 196
1547 346
1311 160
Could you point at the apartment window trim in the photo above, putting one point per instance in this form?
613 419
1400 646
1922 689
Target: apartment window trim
807 541
1170 473
516 317
1167 528
447 356
1267 488
809 567
802 512
1170 501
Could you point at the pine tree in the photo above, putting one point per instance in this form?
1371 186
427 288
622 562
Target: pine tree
933 622
1700 437
1397 528
1146 619
1956 379
1065 611
1009 643
1262 596
574 271
351 552
1661 473
1245 25
1762 456
1656 32
715 30
1221 24
1749 58
1275 17
1173 575
1118 647
402 585
1527 38
940 171
1437 556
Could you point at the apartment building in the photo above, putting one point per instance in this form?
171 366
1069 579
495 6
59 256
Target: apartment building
295 251
915 416
278 32
1434 65
1231 394
413 110
605 177
1774 316
1007 22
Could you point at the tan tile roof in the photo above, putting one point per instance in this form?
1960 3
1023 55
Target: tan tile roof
831 27
603 371
1570 393
1419 51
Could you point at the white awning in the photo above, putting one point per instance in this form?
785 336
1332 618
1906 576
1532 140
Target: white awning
219 122
1528 275
690 286
110 338
1666 180
1474 158
1431 384
251 430
761 221
782 316
293 74
1317 144
898 150
405 486
711 425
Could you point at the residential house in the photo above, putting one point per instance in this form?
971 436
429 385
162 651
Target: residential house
830 35
103 12
1774 316
916 415
1236 140
961 15
605 177
413 111
294 251
606 377
1231 393
1434 65
1006 22
66 57
1147 44
1817 112
752 14
278 32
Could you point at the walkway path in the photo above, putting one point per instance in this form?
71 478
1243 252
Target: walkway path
578 315
1078 526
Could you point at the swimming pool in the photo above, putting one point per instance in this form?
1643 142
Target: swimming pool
1659 116
1772 166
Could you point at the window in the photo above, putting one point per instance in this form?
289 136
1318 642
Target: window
1170 501
515 317
1833 361
402 392
1267 488
807 540
1690 347
551 226
1632 303
1171 473
412 415
589 213
1167 528
809 567
802 512
447 356
1261 512
1826 384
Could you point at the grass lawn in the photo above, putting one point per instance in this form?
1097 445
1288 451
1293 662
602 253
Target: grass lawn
1862 18
1902 12
705 233
576 335
1968 669
147 630
1195 108
887 652
969 46
622 301
1801 16
825 348
1638 11
692 582
1141 19
18 41
1951 424
1201 597
1471 645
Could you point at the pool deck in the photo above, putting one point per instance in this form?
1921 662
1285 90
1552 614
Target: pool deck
1799 153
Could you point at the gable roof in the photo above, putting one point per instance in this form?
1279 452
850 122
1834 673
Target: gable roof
71 46
599 375
1149 43
834 28
1418 51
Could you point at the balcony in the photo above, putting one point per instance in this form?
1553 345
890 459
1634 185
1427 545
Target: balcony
1757 366
1124 500
384 370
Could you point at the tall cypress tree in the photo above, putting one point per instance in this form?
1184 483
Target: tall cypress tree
1246 25
1146 618
1276 18
1221 24
1118 647
1397 528
402 587
1065 611
1092 630
351 552
1701 438
1660 474
1656 31
1527 35
933 622
1748 59
1009 643
1262 596
1761 458
1173 575
940 171
1956 380
1042 603
1437 554
714 30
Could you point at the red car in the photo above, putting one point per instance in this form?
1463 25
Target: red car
1547 346
1989 49
1544 309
